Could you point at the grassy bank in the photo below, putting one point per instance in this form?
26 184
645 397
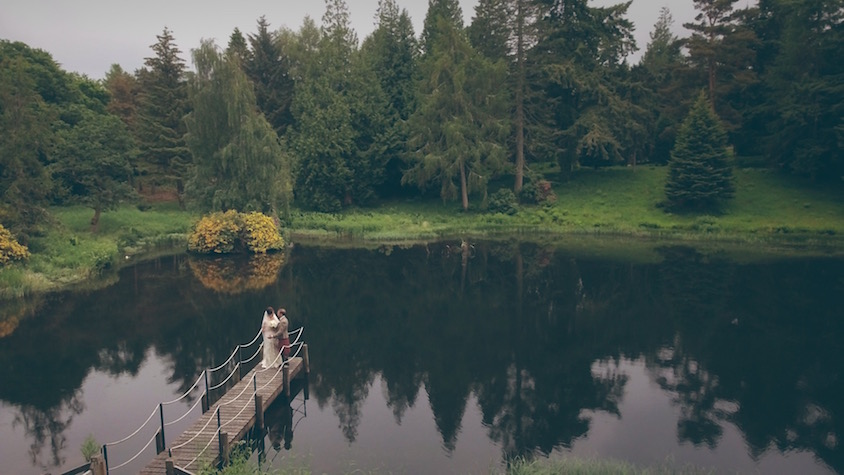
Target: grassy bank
769 212
68 254
615 201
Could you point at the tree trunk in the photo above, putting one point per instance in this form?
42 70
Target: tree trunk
520 98
180 193
95 221
464 188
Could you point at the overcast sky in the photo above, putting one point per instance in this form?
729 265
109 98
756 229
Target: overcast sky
88 36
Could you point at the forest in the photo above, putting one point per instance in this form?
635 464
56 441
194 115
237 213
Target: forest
317 120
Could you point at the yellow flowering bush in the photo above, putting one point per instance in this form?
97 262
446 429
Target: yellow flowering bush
10 249
260 234
222 233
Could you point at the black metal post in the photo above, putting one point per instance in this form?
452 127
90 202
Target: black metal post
105 456
161 413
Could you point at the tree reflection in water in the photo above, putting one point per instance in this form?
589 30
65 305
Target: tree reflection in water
533 333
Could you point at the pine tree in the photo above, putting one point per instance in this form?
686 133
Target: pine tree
489 32
164 158
238 48
699 174
123 89
448 10
392 51
458 133
269 69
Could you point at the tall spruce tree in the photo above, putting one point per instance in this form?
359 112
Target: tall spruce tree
392 51
339 109
489 32
699 173
239 161
269 69
449 10
458 133
804 104
661 74
164 159
576 64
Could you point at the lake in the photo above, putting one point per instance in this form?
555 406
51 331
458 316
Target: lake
437 359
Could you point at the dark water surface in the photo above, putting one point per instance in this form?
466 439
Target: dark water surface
427 360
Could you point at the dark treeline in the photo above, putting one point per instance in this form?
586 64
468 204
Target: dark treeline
317 118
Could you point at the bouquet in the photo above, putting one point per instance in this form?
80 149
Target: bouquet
274 324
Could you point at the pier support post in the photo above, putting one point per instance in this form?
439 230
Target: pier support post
98 466
224 448
285 373
305 360
259 411
169 467
159 443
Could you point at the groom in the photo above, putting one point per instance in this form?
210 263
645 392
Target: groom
282 335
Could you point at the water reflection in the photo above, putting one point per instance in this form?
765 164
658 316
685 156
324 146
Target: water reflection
533 334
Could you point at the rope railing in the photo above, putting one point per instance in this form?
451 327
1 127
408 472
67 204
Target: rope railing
205 374
220 384
136 455
186 392
260 347
133 434
166 424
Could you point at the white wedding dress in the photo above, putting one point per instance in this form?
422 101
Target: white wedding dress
268 329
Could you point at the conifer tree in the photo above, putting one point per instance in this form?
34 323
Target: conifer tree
448 10
164 158
458 130
269 69
699 174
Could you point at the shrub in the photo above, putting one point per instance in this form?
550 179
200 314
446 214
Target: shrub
260 233
215 233
223 233
538 192
10 249
504 201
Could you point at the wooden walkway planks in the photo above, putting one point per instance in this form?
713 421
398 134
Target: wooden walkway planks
237 416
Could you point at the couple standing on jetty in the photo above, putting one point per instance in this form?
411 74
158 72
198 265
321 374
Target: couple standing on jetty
276 338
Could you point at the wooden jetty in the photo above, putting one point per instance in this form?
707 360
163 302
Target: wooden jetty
234 414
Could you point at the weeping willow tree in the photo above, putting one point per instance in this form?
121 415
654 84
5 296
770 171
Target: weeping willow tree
460 126
239 161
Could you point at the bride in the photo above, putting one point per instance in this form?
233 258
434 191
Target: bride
268 329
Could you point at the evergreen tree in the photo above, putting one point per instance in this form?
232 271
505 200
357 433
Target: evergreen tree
164 159
576 65
457 131
238 48
804 84
723 48
339 109
392 51
269 69
661 74
489 32
449 11
123 94
239 161
699 174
